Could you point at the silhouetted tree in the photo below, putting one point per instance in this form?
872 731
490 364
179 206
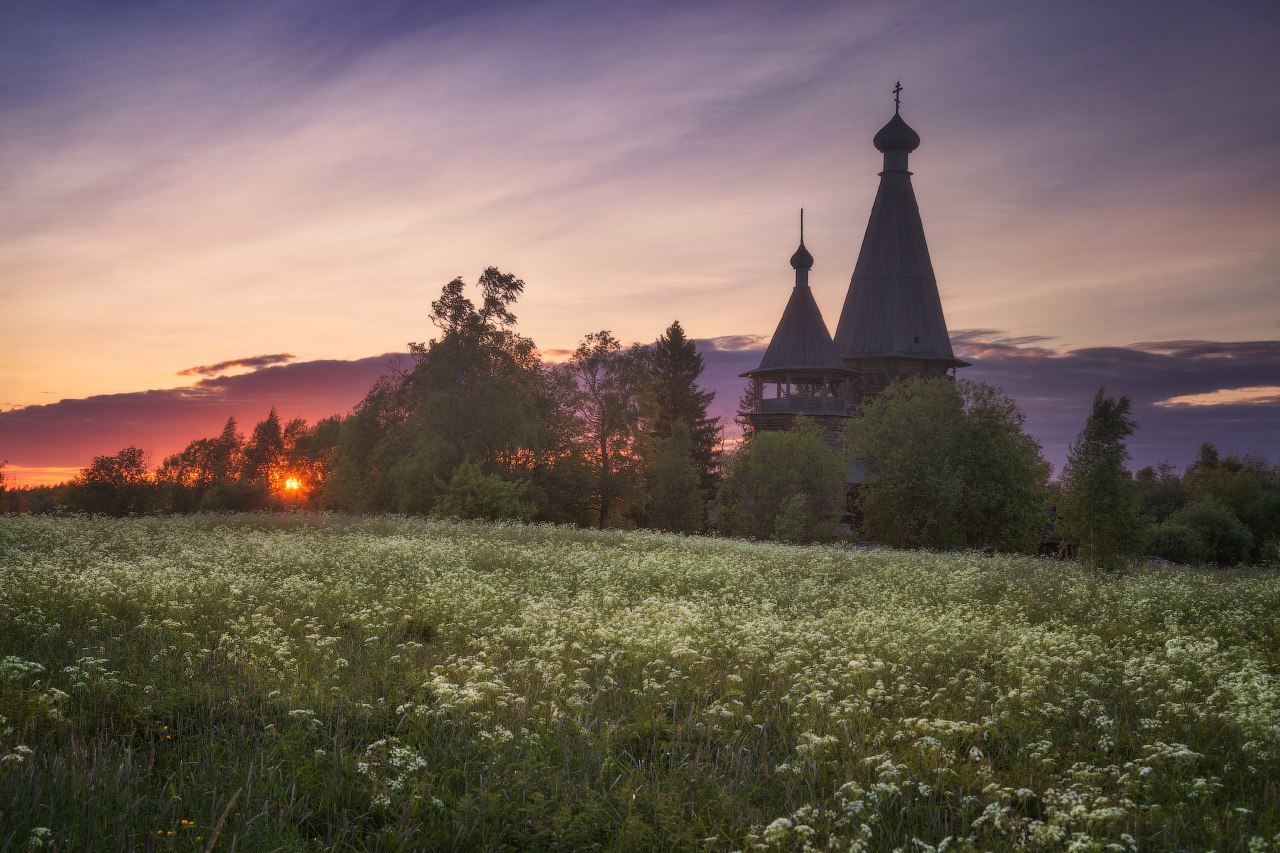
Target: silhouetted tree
184 478
114 485
1099 509
309 452
263 461
746 405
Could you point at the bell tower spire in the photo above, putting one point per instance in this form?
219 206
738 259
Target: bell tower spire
802 261
892 324
800 373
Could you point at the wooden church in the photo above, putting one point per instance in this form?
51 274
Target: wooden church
891 326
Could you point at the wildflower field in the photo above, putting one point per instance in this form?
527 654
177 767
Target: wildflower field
315 682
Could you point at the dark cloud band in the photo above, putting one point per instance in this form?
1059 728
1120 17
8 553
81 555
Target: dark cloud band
1055 388
252 362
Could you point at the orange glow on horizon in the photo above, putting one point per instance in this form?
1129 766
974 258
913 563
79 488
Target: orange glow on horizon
292 484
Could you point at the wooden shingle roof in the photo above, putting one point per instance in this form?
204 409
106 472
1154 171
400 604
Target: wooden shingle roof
801 341
892 308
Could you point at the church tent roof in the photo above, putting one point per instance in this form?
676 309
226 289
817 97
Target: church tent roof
801 341
892 308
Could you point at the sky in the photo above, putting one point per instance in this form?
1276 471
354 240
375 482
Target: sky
207 209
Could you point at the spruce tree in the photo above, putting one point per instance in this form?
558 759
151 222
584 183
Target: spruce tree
672 366
1100 509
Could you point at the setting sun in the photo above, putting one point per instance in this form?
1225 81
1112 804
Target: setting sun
292 484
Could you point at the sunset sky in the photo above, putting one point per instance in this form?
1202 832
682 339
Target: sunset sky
210 208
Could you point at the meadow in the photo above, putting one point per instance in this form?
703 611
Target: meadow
320 682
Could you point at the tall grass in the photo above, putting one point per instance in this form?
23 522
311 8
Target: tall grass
391 683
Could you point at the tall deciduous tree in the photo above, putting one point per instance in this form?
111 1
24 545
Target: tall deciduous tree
264 454
1004 474
608 406
782 485
478 392
946 464
1099 510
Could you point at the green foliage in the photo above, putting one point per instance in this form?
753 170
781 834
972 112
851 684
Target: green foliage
1099 509
1248 485
368 443
1160 491
1177 542
905 444
393 683
947 464
669 370
782 485
607 401
1004 474
1224 540
674 499
473 493
477 392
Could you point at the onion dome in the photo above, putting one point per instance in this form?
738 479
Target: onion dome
897 135
802 260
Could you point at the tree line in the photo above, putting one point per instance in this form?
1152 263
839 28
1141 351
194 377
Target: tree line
474 425
477 425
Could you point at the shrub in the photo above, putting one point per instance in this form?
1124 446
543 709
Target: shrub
1226 540
472 493
782 485
1179 543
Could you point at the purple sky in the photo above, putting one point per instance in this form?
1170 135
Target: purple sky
194 185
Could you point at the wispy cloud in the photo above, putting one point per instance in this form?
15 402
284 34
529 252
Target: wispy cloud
252 362
1252 396
735 343
186 181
